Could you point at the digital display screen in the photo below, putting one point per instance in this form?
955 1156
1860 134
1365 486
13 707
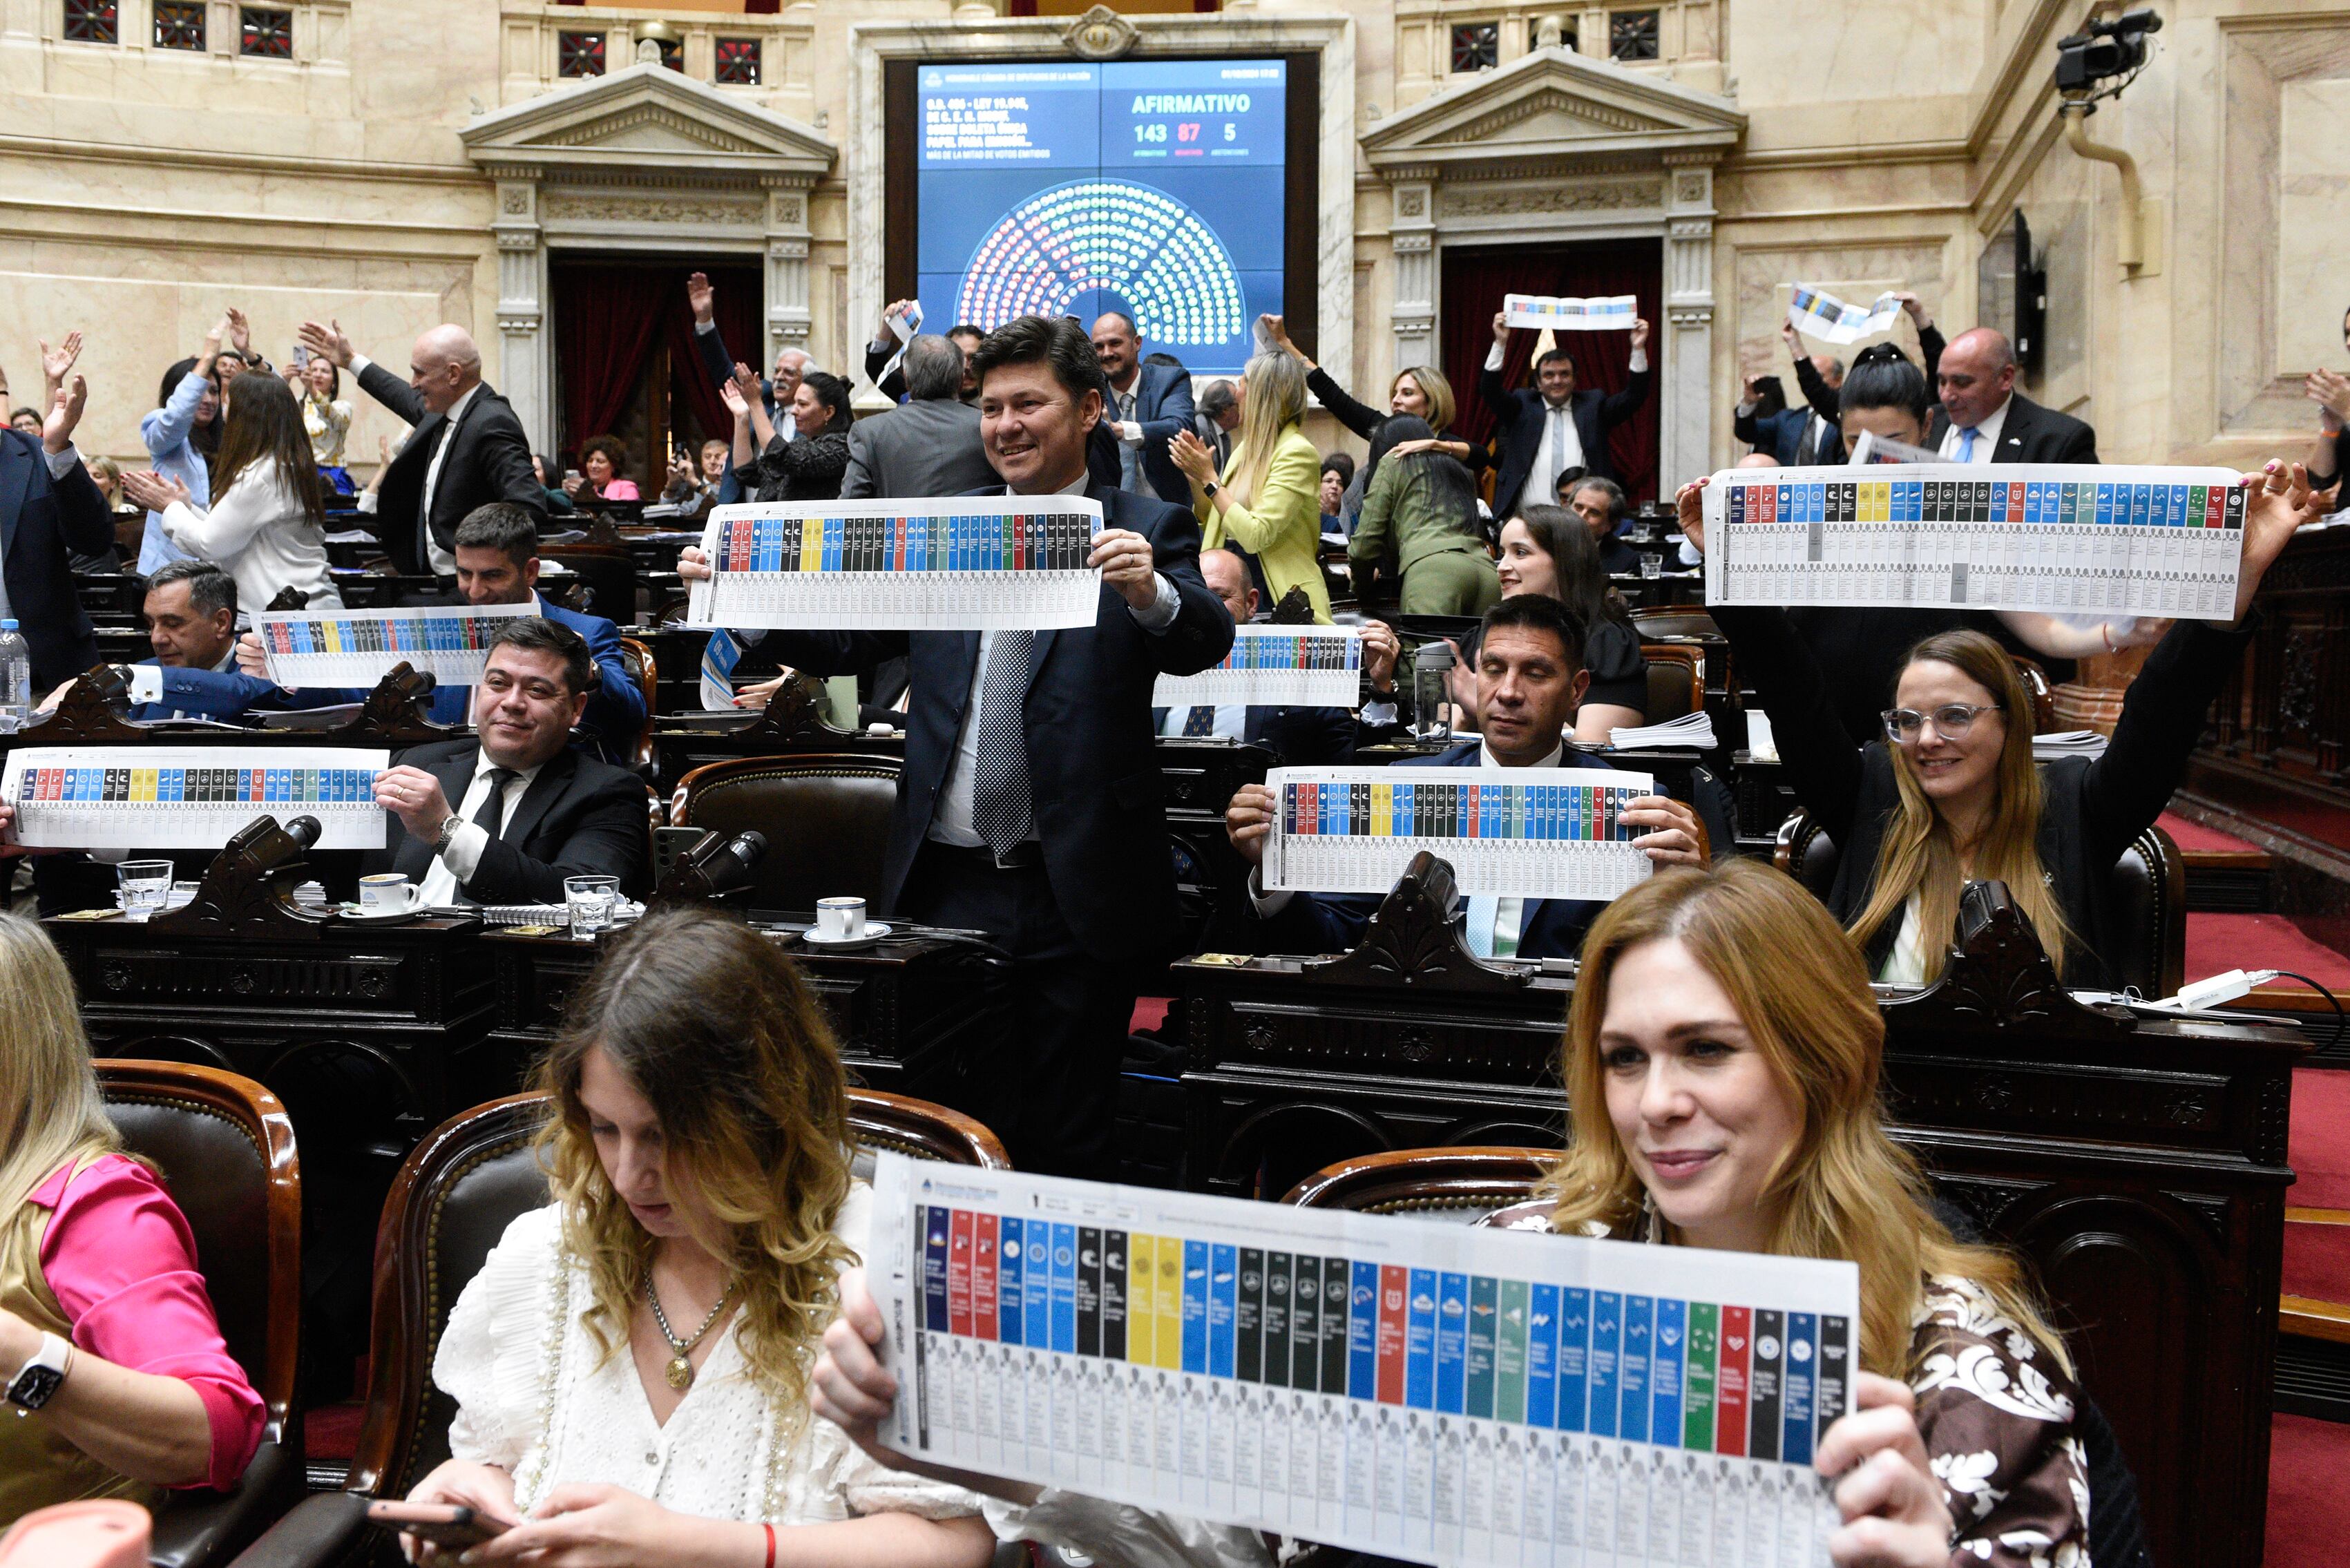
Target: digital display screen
1153 188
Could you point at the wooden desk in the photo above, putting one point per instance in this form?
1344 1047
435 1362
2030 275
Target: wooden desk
2138 1166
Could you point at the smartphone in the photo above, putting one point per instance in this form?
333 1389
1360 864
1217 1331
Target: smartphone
441 1523
301 357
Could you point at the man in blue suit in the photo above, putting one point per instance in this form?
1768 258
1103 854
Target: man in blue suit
1530 676
50 511
1029 806
496 552
1149 404
190 615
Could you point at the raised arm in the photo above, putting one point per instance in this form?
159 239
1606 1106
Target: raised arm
375 381
167 426
1623 404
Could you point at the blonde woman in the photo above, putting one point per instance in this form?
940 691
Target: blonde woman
1950 793
1420 391
629 1367
118 1378
1268 499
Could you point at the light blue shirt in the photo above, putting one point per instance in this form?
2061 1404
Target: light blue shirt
1232 721
166 433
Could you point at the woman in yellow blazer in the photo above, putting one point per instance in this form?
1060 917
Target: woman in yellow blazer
1269 500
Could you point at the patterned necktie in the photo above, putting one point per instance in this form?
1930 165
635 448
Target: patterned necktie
1199 720
491 818
1967 445
1001 802
1129 458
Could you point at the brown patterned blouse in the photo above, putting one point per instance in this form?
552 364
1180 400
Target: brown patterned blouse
1996 1414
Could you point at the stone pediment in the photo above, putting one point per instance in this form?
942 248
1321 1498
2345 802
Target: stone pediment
1555 106
646 120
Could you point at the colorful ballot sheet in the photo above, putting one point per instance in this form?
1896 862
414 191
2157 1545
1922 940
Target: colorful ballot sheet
1604 313
1816 312
190 797
1276 665
980 563
1512 833
1395 1384
2037 537
359 647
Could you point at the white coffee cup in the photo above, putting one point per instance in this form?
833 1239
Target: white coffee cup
840 919
389 890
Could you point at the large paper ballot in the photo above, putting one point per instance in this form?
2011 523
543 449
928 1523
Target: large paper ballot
1395 1384
359 647
1276 665
190 797
1602 313
980 563
1818 314
2031 536
1511 833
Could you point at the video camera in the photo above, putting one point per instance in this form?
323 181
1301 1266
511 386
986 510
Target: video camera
2109 46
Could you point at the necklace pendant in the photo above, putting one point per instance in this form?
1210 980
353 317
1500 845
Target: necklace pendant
679 1373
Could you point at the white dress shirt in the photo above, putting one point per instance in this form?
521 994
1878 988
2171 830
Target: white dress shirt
1562 443
951 823
456 864
1986 435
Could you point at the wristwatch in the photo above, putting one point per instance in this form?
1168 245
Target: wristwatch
38 1378
448 826
1209 489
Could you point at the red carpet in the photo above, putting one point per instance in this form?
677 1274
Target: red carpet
2217 943
2307 1460
2317 1261
1150 1012
2319 1148
2192 836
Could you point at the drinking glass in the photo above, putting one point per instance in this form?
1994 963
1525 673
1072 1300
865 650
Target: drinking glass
146 886
592 900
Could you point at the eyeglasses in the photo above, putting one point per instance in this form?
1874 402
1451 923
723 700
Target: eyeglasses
1952 720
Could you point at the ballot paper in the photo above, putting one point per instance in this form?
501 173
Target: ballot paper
190 797
1606 313
903 326
1386 1383
2035 536
1511 833
359 647
989 563
1276 665
1818 314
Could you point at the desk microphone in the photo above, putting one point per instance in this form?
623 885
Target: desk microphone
303 831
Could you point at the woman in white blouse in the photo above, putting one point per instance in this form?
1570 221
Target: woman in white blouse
629 1367
266 522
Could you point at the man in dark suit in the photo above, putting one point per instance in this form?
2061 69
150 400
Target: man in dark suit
1600 504
1029 807
1799 436
1149 403
1300 737
1530 676
495 553
928 445
1551 427
505 818
889 379
50 511
467 447
190 614
1983 419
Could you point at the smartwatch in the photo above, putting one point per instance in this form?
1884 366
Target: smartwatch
448 826
1209 489
38 1378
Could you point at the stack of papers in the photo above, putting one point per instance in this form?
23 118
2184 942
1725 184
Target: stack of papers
2067 743
1690 730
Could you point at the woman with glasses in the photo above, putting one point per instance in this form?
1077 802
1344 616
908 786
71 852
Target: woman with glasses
1950 793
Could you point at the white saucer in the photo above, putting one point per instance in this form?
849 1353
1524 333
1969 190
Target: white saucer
389 916
874 932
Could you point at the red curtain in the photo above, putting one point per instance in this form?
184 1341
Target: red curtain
1475 283
693 400
605 317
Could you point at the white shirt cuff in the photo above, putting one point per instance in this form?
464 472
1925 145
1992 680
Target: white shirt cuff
1493 357
1266 904
360 362
1163 609
1639 361
146 684
1129 432
62 462
368 502
710 325
464 856
1377 713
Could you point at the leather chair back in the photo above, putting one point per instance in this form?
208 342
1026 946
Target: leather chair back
1466 1183
2042 695
639 659
2149 885
1676 680
225 1149
826 816
455 1195
609 573
1676 621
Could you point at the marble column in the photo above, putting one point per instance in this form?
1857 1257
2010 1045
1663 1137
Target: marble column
1412 311
525 369
790 320
1685 344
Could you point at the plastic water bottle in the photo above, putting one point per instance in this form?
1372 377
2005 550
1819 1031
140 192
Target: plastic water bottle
16 680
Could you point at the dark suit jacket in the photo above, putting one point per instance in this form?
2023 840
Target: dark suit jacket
1163 405
1092 764
1334 922
1300 737
1518 414
892 385
925 448
578 817
44 524
2031 434
1782 435
2089 812
489 460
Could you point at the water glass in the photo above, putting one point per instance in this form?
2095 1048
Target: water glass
592 900
145 886
1652 565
